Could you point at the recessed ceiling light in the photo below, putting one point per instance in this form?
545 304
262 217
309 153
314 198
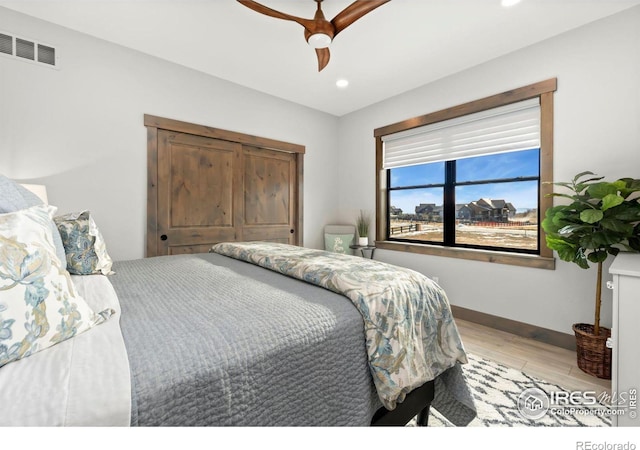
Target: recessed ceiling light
342 83
510 2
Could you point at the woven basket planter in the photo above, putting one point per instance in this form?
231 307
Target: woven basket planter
594 357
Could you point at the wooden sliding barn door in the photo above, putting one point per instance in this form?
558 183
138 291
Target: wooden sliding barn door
269 199
231 187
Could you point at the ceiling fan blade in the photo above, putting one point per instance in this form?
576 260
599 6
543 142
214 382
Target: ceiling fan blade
323 57
353 12
308 24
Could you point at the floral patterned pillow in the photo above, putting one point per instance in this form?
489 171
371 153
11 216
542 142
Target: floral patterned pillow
83 244
39 306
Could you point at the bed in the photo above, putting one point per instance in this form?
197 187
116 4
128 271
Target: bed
216 339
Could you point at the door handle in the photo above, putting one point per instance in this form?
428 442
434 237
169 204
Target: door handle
164 237
292 231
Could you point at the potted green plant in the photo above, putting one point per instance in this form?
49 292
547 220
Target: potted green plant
362 225
601 219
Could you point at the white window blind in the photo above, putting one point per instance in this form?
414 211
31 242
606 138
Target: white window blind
504 129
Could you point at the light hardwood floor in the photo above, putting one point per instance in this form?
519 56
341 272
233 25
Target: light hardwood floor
547 362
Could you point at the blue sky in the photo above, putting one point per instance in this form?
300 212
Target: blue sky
523 195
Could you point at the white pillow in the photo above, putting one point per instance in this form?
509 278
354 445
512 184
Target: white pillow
39 306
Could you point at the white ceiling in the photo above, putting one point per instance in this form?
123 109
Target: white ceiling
397 47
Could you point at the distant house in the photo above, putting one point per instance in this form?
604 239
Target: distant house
486 209
395 211
463 212
425 208
429 211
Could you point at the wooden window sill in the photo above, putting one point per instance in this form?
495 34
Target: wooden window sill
514 259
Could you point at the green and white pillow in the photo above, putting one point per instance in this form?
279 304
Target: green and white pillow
84 246
338 243
39 306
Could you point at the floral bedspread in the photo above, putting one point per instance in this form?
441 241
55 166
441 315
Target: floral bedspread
411 337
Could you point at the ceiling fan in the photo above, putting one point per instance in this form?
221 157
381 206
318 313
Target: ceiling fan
319 32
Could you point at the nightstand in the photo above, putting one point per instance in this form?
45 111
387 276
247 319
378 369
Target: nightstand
363 249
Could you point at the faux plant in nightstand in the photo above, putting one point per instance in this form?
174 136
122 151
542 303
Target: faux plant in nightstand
362 225
601 219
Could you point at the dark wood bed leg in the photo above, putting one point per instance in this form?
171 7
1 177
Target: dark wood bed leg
416 403
423 417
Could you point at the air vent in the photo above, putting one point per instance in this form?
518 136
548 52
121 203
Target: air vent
46 55
6 44
27 50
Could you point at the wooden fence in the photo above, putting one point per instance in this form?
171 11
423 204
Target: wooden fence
408 228
403 229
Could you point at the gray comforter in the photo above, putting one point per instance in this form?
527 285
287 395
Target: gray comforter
216 341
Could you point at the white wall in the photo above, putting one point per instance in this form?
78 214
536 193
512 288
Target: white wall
597 128
80 131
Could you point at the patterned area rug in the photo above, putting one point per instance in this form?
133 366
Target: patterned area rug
498 390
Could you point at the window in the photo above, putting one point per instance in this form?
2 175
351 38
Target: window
488 202
468 181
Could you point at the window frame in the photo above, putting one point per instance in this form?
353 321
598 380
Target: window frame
544 91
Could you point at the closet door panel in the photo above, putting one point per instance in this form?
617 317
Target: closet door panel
195 195
269 196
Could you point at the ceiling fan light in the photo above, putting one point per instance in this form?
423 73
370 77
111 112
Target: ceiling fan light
319 40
